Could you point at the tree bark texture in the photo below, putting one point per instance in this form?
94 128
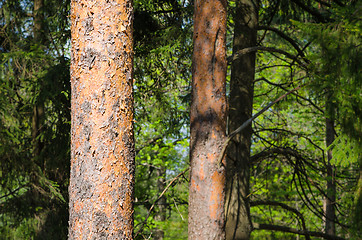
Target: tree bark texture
208 121
101 187
237 210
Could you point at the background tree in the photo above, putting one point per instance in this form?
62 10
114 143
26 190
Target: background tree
34 72
237 210
101 189
275 133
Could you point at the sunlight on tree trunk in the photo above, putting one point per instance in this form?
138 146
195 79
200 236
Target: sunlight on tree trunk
101 187
237 210
208 125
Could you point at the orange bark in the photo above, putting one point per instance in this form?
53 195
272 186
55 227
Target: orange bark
208 115
101 187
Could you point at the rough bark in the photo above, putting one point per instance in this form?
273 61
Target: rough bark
101 187
208 121
237 210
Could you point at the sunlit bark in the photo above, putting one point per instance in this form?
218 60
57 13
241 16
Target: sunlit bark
208 121
101 187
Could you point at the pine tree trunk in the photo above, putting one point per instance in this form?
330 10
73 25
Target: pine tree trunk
101 187
208 121
237 210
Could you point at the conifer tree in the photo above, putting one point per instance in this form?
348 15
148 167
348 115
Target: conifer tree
237 210
101 187
208 121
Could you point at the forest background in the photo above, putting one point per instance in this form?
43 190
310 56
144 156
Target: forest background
305 152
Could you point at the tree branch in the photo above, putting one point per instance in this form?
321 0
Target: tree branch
263 154
286 207
312 11
159 197
263 226
297 95
286 37
12 192
267 49
147 143
249 121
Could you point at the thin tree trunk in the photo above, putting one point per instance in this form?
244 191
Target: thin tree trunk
37 118
358 202
38 109
101 187
237 210
329 201
208 121
161 214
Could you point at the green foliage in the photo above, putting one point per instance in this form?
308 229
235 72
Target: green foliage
33 189
289 139
345 151
162 75
288 146
336 65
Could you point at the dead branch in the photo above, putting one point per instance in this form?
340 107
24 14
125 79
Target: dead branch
159 197
249 121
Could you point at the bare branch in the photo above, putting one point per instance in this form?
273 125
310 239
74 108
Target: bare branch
278 150
286 207
286 37
249 121
12 192
263 226
159 197
267 49
295 94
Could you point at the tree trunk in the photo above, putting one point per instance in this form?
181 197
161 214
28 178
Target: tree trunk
37 117
38 109
208 121
237 210
161 213
330 199
101 187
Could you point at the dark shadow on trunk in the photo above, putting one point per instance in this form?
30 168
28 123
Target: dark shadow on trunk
237 210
